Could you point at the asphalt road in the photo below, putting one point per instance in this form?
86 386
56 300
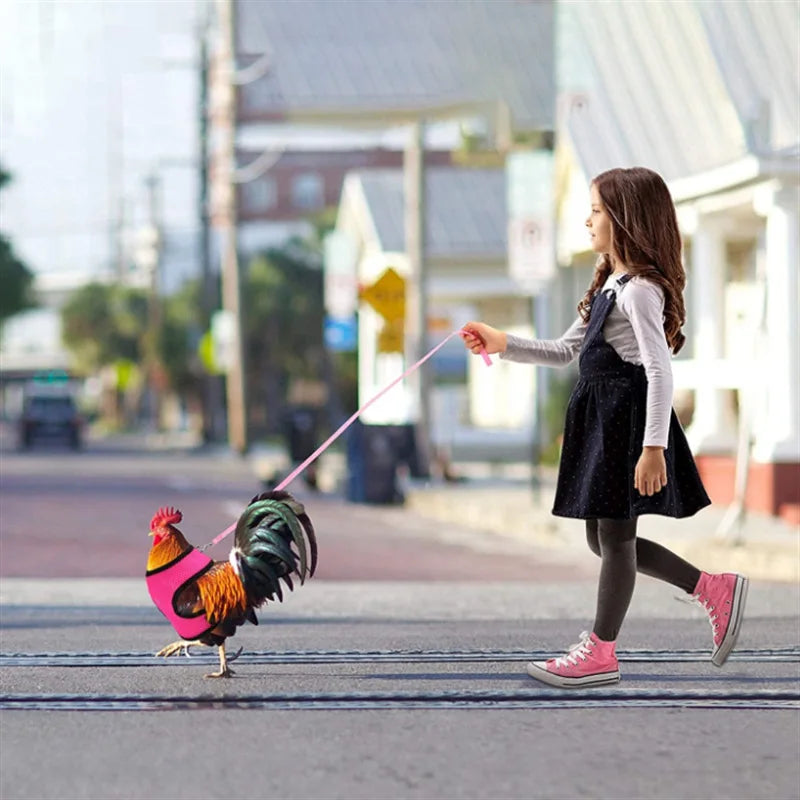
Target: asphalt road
87 515
397 673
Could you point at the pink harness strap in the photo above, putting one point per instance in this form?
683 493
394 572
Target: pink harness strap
165 583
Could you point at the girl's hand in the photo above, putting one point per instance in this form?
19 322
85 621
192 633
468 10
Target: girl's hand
650 475
478 334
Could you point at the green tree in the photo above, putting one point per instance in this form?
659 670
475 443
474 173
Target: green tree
283 329
104 323
283 314
179 338
16 279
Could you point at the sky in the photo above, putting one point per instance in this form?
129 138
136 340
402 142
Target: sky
94 96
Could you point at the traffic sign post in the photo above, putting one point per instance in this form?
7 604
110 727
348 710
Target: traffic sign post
531 256
531 243
530 251
387 295
391 338
341 284
341 335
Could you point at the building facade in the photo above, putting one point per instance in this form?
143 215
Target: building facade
719 120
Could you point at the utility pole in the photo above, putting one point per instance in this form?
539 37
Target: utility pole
211 391
153 261
417 289
231 285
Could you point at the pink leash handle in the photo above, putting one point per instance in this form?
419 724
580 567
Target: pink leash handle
345 425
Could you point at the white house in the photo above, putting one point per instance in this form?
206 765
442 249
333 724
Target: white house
476 413
711 103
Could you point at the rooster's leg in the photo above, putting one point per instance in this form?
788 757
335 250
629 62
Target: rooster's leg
176 647
224 670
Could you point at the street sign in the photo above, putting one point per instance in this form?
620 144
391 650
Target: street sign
223 336
531 258
387 295
125 373
531 244
341 284
391 337
206 351
341 334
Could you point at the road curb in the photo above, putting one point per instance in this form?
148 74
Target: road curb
769 549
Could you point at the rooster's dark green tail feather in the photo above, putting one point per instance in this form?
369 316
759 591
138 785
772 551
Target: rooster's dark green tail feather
260 578
264 534
267 518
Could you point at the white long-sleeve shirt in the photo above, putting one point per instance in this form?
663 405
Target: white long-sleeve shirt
635 329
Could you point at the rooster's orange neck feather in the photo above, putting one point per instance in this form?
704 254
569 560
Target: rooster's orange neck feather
168 549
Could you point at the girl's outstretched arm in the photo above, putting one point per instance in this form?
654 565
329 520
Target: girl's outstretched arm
479 334
547 352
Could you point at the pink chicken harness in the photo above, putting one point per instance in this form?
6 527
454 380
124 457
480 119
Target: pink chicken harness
165 584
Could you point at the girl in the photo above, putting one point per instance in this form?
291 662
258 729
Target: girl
624 453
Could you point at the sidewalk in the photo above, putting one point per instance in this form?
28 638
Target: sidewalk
763 547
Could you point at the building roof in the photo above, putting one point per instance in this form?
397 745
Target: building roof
466 210
652 92
387 56
757 47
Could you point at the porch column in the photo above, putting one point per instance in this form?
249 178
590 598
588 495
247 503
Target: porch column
777 425
713 428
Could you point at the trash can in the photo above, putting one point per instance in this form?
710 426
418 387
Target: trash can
302 424
372 459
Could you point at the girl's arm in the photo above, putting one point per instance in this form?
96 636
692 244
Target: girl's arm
547 352
643 303
644 307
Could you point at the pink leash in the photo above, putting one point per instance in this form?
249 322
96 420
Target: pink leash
345 425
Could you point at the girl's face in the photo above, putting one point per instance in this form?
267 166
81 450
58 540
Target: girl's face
599 224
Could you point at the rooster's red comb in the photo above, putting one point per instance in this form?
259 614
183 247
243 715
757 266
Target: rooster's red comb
165 516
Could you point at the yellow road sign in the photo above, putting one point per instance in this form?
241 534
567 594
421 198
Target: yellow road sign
387 295
126 373
391 337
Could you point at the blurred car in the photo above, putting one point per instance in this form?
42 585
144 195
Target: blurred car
50 417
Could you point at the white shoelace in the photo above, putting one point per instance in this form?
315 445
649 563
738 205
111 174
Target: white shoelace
705 604
580 649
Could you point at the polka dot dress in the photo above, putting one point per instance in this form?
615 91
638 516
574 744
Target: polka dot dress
603 436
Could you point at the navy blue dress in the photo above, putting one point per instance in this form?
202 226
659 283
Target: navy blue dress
603 436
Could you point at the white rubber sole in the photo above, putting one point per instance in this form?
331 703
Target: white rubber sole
720 655
537 670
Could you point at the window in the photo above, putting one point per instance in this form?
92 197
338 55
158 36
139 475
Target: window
308 191
259 195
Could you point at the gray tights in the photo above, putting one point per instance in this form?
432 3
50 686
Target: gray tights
614 540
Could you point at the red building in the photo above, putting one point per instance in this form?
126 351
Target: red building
301 182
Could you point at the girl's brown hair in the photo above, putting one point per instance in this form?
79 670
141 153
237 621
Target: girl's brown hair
645 238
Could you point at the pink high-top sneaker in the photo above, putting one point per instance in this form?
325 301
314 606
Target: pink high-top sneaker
591 662
723 597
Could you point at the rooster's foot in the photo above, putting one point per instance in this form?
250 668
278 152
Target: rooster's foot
224 670
177 647
223 673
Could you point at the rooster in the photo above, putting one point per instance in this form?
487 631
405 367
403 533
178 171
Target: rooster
207 600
